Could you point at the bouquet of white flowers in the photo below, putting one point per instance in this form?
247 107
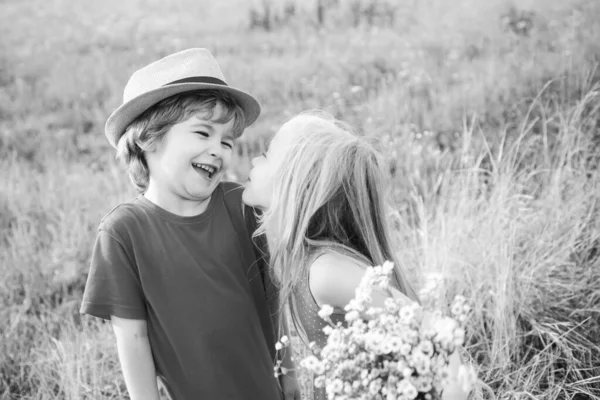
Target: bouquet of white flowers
392 354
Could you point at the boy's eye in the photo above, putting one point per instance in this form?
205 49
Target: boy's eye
202 133
227 144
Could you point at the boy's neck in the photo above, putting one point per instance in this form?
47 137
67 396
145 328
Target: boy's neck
176 204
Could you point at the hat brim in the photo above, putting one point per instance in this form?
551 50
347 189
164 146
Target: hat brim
118 121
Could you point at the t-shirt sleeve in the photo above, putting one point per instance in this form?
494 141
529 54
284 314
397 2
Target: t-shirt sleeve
113 286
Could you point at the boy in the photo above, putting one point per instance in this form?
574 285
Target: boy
175 269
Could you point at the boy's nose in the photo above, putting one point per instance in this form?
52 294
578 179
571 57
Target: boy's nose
216 149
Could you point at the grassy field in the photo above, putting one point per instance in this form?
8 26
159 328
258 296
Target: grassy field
489 112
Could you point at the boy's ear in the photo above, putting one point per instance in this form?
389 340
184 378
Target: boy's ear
152 147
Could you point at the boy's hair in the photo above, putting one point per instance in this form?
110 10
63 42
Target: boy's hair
328 194
146 131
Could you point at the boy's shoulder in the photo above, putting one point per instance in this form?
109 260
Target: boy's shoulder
232 194
122 216
133 212
232 197
232 188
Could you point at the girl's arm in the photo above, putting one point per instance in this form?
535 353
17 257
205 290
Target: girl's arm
136 359
454 391
334 278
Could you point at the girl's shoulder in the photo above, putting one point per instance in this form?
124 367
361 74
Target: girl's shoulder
334 277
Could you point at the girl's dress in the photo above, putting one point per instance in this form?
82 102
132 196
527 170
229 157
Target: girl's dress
307 311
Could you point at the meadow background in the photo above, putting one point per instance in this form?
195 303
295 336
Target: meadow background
489 115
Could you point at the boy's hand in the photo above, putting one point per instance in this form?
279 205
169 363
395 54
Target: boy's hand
290 387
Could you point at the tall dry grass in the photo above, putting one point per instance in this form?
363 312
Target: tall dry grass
492 141
516 229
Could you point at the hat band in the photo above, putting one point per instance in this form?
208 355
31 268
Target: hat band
198 79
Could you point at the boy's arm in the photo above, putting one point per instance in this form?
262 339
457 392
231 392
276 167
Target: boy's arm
136 359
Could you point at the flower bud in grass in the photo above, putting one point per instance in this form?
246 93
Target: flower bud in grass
336 386
422 368
407 313
284 340
327 330
387 267
405 349
352 315
347 388
352 348
278 346
456 309
459 336
325 311
406 389
386 347
373 311
460 299
411 336
395 343
375 386
411 392
404 369
444 328
383 284
319 381
319 369
426 347
391 305
310 362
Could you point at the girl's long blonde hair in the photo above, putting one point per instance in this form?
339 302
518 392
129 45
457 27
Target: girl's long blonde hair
328 193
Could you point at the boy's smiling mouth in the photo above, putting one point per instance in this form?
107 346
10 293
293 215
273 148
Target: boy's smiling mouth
206 169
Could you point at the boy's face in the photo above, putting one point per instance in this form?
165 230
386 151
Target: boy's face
191 159
259 187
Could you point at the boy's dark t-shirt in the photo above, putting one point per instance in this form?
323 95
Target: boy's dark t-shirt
196 282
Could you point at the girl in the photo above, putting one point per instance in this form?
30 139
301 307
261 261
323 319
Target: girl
321 188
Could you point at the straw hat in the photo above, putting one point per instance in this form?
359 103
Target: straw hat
186 71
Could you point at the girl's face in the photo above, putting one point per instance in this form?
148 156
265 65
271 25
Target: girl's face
259 187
